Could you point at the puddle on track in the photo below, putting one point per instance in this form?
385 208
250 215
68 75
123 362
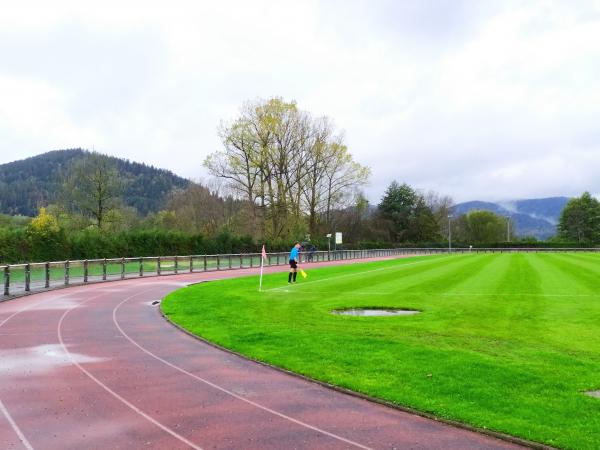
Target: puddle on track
39 359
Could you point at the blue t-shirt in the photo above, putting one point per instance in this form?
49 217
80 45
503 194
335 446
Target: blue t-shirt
294 253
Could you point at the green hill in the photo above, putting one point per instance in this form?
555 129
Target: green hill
30 183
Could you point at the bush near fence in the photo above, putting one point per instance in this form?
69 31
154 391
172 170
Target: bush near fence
20 245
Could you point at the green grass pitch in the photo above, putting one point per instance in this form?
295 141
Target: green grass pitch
504 341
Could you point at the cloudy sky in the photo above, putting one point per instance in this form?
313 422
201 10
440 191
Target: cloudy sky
475 99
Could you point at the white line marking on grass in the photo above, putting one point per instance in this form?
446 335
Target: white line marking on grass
347 275
228 392
453 294
113 393
14 426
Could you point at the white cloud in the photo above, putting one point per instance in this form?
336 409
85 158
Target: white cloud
485 100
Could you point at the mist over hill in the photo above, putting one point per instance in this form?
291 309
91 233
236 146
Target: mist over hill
531 217
30 183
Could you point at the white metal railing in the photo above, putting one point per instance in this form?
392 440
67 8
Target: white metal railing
21 279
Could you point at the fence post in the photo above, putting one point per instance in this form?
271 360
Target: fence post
85 271
66 273
47 275
176 266
141 267
218 263
191 264
27 277
104 270
7 280
205 263
241 261
229 256
158 266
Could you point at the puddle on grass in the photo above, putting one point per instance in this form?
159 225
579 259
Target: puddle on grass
375 312
593 393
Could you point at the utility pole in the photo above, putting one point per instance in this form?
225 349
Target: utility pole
449 234
507 228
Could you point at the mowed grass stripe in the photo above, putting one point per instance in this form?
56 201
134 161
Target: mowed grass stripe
339 275
406 279
587 279
500 342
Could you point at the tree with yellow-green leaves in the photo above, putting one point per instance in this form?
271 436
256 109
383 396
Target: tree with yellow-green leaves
45 238
291 169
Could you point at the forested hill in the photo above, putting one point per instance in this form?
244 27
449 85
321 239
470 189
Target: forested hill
27 184
533 217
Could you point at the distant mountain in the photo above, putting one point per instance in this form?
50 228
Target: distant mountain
532 217
27 184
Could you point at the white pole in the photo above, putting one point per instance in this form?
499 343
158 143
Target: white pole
262 261
449 235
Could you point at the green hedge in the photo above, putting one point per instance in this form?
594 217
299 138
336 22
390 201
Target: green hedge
17 246
21 245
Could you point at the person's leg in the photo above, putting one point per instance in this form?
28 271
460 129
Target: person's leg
295 275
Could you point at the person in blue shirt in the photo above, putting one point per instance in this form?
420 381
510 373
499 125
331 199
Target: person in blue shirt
294 262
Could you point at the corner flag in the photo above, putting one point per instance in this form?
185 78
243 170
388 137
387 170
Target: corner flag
262 263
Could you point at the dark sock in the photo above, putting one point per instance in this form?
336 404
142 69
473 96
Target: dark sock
290 277
295 277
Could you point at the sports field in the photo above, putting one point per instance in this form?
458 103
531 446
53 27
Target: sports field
505 341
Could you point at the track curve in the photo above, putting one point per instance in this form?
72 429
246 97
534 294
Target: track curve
97 367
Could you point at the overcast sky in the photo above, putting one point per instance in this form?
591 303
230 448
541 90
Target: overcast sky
476 99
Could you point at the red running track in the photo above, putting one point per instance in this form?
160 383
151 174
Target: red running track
97 367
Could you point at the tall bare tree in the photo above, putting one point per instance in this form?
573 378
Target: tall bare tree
286 164
92 188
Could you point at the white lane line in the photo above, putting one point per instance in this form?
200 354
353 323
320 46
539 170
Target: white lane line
46 300
353 274
228 392
28 307
14 426
113 393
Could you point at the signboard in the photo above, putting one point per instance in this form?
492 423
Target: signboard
338 237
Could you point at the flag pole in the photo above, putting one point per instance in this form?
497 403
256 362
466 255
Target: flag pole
261 273
263 255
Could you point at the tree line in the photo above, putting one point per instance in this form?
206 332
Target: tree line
282 175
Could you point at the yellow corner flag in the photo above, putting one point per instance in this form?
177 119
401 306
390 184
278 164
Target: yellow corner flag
303 273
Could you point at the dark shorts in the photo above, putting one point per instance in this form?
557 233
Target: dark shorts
293 264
